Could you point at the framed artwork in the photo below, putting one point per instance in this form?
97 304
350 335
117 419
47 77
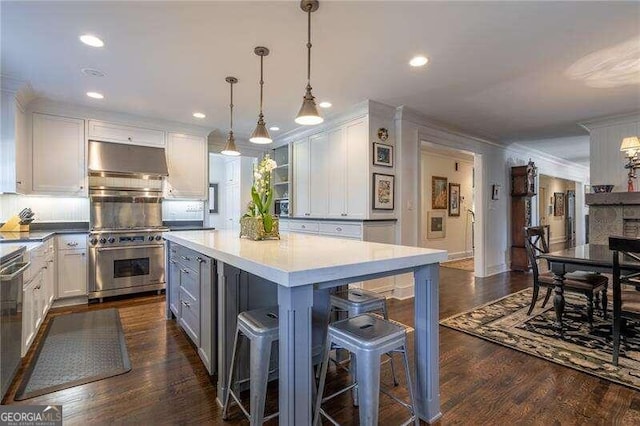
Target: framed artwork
436 225
454 199
558 203
382 155
495 192
383 191
213 198
438 192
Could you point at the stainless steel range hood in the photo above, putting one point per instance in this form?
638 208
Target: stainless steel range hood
115 159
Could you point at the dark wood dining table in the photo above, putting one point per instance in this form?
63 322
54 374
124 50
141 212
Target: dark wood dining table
587 257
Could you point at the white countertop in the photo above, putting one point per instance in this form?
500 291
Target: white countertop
300 259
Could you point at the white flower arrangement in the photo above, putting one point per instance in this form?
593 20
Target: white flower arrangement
261 192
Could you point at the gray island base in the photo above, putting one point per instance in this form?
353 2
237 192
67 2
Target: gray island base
296 273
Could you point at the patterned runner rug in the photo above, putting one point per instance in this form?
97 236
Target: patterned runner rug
505 321
464 264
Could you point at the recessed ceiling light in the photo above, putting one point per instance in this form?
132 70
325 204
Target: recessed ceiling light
274 128
91 40
199 115
324 104
418 61
92 72
95 95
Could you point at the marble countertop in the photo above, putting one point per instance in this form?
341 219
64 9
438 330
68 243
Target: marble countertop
301 259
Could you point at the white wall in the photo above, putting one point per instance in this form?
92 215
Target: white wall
217 175
607 161
46 209
492 217
457 239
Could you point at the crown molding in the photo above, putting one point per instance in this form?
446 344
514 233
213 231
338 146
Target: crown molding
611 120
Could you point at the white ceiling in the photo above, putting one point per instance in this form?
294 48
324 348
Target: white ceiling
497 69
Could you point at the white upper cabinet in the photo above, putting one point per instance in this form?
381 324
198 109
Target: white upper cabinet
338 178
59 166
319 177
14 160
187 162
301 189
331 173
357 170
120 133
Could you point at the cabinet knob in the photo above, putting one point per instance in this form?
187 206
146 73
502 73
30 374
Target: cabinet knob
19 182
129 139
338 229
83 253
81 187
199 259
303 227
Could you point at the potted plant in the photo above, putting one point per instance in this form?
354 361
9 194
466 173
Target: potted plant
258 223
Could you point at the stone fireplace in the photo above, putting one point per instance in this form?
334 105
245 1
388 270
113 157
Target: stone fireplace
613 213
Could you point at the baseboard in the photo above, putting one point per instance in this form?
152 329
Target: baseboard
70 301
497 269
459 255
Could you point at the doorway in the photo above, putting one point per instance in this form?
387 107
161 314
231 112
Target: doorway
557 211
448 213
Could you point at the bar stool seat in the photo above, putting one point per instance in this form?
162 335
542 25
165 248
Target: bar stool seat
368 337
356 301
260 327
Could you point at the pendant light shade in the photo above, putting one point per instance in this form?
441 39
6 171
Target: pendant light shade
230 147
308 114
261 135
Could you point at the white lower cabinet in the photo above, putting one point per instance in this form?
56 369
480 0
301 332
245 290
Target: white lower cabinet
72 273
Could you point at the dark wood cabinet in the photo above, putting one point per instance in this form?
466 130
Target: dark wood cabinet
522 189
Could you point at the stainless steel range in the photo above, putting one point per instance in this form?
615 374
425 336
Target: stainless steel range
125 261
126 250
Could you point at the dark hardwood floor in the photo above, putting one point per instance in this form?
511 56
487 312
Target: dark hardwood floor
480 382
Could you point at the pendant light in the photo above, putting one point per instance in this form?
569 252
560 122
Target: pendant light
230 146
261 135
308 114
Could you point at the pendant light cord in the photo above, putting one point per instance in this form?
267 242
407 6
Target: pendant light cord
231 109
261 82
309 45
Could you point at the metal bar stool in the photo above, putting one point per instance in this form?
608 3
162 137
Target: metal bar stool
260 326
368 337
356 302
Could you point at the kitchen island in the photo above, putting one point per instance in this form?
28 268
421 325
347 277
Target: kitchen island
298 267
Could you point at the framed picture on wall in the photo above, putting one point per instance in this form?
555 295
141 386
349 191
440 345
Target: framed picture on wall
439 193
454 199
213 198
558 203
436 224
382 155
383 191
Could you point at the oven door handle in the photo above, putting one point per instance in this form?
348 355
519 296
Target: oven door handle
160 246
9 277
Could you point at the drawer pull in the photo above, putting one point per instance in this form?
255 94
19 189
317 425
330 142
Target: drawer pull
186 258
73 244
303 227
339 229
199 259
187 304
173 262
185 271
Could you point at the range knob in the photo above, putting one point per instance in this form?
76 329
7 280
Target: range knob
150 238
103 240
111 240
158 237
93 241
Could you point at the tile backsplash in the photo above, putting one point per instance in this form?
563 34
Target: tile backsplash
69 209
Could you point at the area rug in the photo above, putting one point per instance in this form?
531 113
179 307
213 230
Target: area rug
76 349
505 321
464 264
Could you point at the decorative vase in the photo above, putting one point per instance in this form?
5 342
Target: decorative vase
252 228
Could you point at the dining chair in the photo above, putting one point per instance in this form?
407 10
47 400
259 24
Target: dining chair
626 301
587 283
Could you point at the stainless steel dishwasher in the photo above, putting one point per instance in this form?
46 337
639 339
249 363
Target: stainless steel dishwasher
12 266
